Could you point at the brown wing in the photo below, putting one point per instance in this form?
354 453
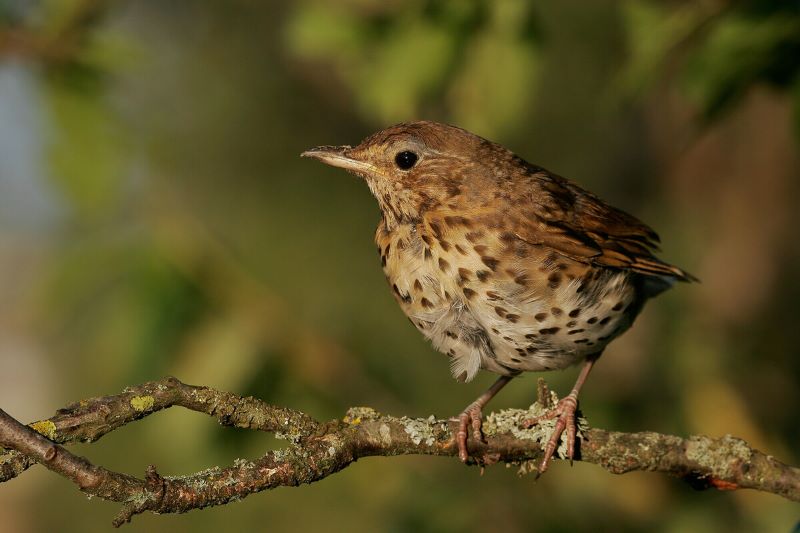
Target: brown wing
579 225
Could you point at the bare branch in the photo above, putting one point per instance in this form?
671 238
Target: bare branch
316 450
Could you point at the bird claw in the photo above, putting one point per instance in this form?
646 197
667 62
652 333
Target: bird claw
564 412
471 416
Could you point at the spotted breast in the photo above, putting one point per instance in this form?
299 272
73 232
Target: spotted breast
492 301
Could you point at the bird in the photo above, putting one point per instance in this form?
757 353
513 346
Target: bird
501 264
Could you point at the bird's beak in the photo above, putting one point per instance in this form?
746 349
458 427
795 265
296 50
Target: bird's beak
338 156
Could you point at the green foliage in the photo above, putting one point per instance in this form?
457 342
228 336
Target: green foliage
475 62
107 288
740 50
87 150
84 130
719 52
653 32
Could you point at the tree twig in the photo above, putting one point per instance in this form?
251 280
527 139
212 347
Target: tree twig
317 450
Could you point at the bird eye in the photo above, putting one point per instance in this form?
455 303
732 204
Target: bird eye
405 160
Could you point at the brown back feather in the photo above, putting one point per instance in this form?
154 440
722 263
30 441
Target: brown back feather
581 226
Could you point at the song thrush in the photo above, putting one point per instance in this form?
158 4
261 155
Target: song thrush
503 265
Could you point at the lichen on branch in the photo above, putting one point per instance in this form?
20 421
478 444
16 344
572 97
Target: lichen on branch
315 450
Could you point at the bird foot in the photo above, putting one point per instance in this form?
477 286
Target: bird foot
471 416
564 412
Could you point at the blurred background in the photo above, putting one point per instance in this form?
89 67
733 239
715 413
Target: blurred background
155 219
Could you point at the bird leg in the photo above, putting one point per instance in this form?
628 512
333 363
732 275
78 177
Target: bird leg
565 411
473 415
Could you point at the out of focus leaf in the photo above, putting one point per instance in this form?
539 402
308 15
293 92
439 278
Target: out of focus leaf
409 64
717 50
500 72
68 24
653 31
398 58
123 288
86 154
318 29
739 51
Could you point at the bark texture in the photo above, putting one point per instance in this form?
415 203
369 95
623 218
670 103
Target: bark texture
316 450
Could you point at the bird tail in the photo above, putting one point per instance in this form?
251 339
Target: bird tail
655 267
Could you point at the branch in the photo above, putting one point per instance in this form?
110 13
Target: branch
316 450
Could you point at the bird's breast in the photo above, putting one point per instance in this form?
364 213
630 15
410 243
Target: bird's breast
499 304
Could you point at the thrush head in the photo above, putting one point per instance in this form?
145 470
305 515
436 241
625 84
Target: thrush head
413 166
